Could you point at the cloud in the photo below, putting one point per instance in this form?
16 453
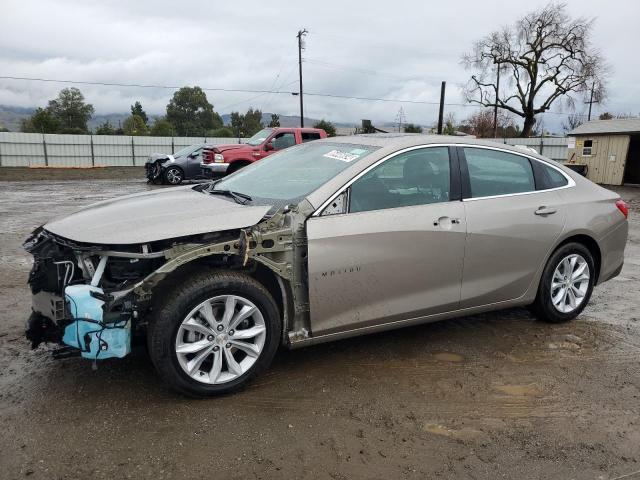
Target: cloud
401 50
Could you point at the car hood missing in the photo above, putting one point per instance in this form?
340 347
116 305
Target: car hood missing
156 215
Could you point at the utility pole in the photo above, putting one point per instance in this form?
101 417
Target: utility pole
495 108
593 86
301 33
400 119
441 113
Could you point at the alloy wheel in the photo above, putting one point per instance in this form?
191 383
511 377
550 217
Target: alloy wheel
570 283
174 176
220 339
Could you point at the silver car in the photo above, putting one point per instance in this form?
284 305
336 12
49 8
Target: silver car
325 240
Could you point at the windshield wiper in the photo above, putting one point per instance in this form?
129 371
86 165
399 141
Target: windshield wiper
240 198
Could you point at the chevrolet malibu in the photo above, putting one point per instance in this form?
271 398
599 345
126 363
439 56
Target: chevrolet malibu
322 241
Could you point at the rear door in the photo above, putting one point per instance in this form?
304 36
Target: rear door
514 215
397 252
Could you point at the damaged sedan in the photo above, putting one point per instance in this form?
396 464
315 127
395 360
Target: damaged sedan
325 240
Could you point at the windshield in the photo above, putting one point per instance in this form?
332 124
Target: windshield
260 137
292 174
183 152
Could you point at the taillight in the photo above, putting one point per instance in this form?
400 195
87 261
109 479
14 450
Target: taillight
623 207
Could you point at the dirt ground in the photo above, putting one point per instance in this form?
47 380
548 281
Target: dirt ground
498 395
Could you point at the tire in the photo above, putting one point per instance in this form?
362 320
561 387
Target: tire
551 304
235 166
173 176
173 329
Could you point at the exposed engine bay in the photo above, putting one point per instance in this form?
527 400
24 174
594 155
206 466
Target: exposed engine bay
96 300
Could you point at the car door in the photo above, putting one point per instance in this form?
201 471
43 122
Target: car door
279 141
397 252
193 163
512 222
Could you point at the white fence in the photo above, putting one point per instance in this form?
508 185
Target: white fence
52 150
551 147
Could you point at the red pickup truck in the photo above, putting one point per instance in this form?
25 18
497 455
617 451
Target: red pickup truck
221 160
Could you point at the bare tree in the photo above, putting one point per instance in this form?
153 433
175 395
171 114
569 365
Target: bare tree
573 121
544 57
480 124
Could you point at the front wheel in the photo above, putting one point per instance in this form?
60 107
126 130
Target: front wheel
173 176
566 284
214 334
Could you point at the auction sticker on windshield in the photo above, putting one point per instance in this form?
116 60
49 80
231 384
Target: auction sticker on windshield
343 156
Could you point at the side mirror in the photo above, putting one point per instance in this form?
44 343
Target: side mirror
193 155
268 146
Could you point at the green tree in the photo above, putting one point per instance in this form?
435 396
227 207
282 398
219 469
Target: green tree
411 128
134 125
275 120
252 122
3 128
136 109
605 116
105 128
327 126
71 111
237 121
248 124
42 121
162 128
224 132
190 112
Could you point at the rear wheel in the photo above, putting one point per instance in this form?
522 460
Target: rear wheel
173 175
566 284
214 334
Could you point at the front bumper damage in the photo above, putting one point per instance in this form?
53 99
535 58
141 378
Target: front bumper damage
95 300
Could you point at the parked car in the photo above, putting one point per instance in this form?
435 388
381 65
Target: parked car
220 160
325 240
173 169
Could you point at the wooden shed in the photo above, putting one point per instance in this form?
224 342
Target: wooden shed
609 148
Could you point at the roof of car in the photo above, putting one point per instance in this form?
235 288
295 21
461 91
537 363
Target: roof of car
398 141
390 143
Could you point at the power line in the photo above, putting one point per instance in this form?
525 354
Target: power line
242 90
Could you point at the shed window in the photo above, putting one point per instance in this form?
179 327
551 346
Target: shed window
587 148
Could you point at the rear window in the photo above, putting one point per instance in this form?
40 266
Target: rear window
549 177
308 136
493 172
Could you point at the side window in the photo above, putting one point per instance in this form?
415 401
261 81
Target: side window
492 172
548 177
587 148
196 154
308 136
418 177
283 140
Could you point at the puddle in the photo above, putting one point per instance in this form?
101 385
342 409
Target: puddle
531 390
448 357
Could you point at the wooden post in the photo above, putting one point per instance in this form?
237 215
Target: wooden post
133 153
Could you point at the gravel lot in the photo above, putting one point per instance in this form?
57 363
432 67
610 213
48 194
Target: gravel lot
491 396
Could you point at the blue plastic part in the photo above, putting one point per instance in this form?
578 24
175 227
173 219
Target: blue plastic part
95 339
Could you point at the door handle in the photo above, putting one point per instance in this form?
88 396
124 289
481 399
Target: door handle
446 222
544 211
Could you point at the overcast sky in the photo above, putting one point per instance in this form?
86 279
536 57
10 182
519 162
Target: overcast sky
400 49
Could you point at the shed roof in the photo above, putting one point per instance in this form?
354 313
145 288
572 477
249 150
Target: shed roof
603 127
